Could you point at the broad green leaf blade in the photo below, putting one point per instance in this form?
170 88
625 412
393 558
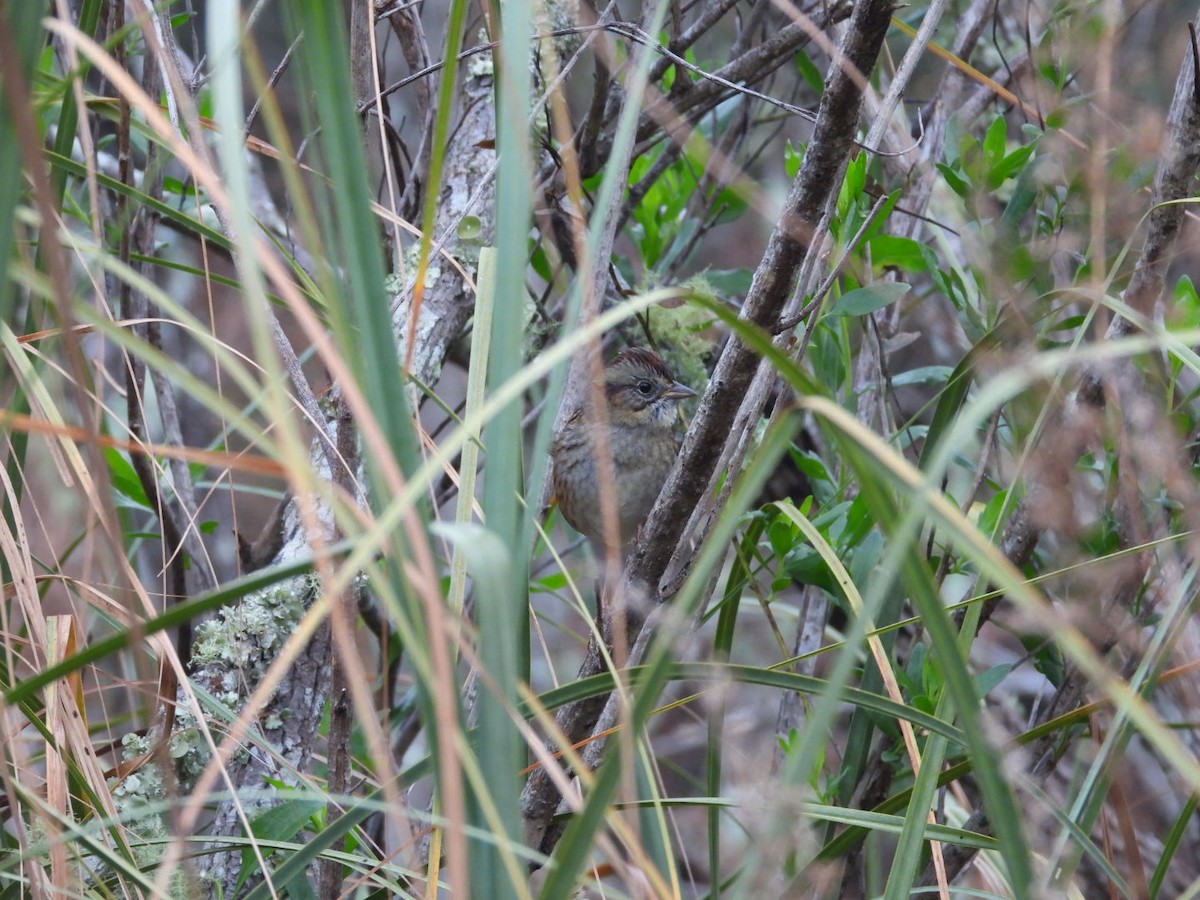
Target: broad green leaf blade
865 300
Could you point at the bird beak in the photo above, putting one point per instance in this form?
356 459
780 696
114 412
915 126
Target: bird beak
678 391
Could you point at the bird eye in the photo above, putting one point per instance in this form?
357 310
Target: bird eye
645 388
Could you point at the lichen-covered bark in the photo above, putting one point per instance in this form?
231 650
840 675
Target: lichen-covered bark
233 652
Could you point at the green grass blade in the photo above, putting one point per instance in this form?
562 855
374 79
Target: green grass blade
503 608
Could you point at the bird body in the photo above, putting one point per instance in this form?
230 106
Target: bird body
641 399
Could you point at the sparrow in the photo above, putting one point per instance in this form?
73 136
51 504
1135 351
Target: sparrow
641 396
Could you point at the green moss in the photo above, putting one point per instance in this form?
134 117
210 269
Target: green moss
687 334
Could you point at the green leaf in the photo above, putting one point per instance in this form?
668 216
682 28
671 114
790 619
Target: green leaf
124 479
1009 166
540 263
279 823
730 205
852 186
809 72
994 142
729 282
470 228
899 252
989 516
1023 196
1185 304
954 178
871 232
923 375
792 157
1047 658
990 678
866 300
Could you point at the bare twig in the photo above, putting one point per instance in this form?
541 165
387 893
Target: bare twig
272 81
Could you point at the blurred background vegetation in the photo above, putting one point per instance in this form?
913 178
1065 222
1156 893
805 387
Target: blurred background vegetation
292 296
